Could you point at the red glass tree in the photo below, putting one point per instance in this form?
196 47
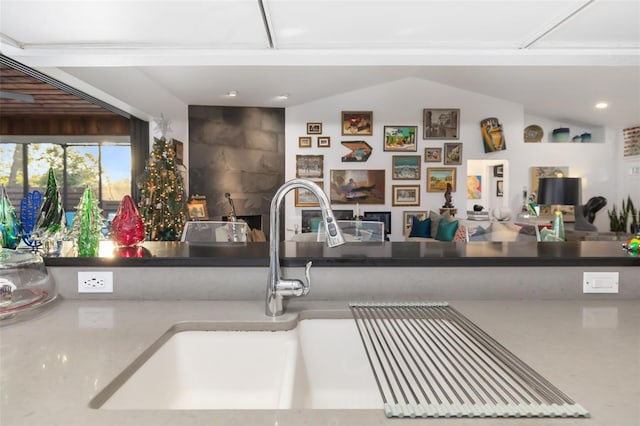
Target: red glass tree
127 227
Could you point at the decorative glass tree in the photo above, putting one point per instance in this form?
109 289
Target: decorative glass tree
162 202
87 225
127 227
50 225
9 225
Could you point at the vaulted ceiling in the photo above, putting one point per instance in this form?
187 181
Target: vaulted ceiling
557 58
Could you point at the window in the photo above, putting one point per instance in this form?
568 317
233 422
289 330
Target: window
104 166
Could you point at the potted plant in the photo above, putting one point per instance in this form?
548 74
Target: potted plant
618 220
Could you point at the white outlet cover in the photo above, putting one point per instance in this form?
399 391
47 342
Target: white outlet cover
600 282
95 282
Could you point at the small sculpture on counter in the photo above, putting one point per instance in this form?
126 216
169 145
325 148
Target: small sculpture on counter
87 225
51 223
447 198
633 245
127 227
586 214
9 224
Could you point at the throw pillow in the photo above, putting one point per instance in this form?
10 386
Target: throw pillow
446 230
435 220
420 228
461 234
480 234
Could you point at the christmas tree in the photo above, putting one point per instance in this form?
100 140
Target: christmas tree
162 202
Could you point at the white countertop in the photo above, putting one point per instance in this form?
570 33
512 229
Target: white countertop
51 366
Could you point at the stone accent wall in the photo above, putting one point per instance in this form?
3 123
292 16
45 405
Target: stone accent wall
239 150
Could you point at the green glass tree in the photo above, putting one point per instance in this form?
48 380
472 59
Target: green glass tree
87 225
9 224
51 216
162 204
50 225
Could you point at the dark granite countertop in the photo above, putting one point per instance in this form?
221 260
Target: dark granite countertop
388 254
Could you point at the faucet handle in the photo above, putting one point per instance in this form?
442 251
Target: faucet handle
307 285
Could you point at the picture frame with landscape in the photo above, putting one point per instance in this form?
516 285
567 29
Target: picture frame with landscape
439 177
405 167
405 195
400 138
304 142
310 166
197 210
306 198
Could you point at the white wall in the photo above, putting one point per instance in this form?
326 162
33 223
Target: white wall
402 103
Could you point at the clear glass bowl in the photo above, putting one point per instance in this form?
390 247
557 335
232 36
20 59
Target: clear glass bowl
25 284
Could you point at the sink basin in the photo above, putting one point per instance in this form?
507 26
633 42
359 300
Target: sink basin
319 364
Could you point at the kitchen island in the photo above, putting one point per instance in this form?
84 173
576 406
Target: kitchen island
54 364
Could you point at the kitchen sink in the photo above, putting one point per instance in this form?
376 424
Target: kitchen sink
318 364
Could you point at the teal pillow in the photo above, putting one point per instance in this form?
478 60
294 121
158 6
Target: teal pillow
446 230
420 228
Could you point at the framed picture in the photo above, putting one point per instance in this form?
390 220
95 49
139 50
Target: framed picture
453 154
179 151
474 187
400 138
499 188
314 128
545 171
432 155
631 137
405 195
357 123
310 166
324 141
405 167
304 142
384 217
439 177
407 219
197 210
305 198
357 186
441 123
498 171
360 151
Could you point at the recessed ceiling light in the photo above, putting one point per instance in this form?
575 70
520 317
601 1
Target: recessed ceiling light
232 93
283 97
602 105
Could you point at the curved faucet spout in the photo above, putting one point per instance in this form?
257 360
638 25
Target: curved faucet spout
277 287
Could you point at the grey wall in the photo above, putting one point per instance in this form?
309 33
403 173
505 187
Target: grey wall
239 150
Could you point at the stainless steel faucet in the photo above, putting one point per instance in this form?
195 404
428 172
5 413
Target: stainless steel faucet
278 287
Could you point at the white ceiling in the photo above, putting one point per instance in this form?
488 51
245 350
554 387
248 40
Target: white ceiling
555 57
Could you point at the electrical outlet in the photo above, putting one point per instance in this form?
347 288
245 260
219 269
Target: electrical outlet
600 282
95 282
